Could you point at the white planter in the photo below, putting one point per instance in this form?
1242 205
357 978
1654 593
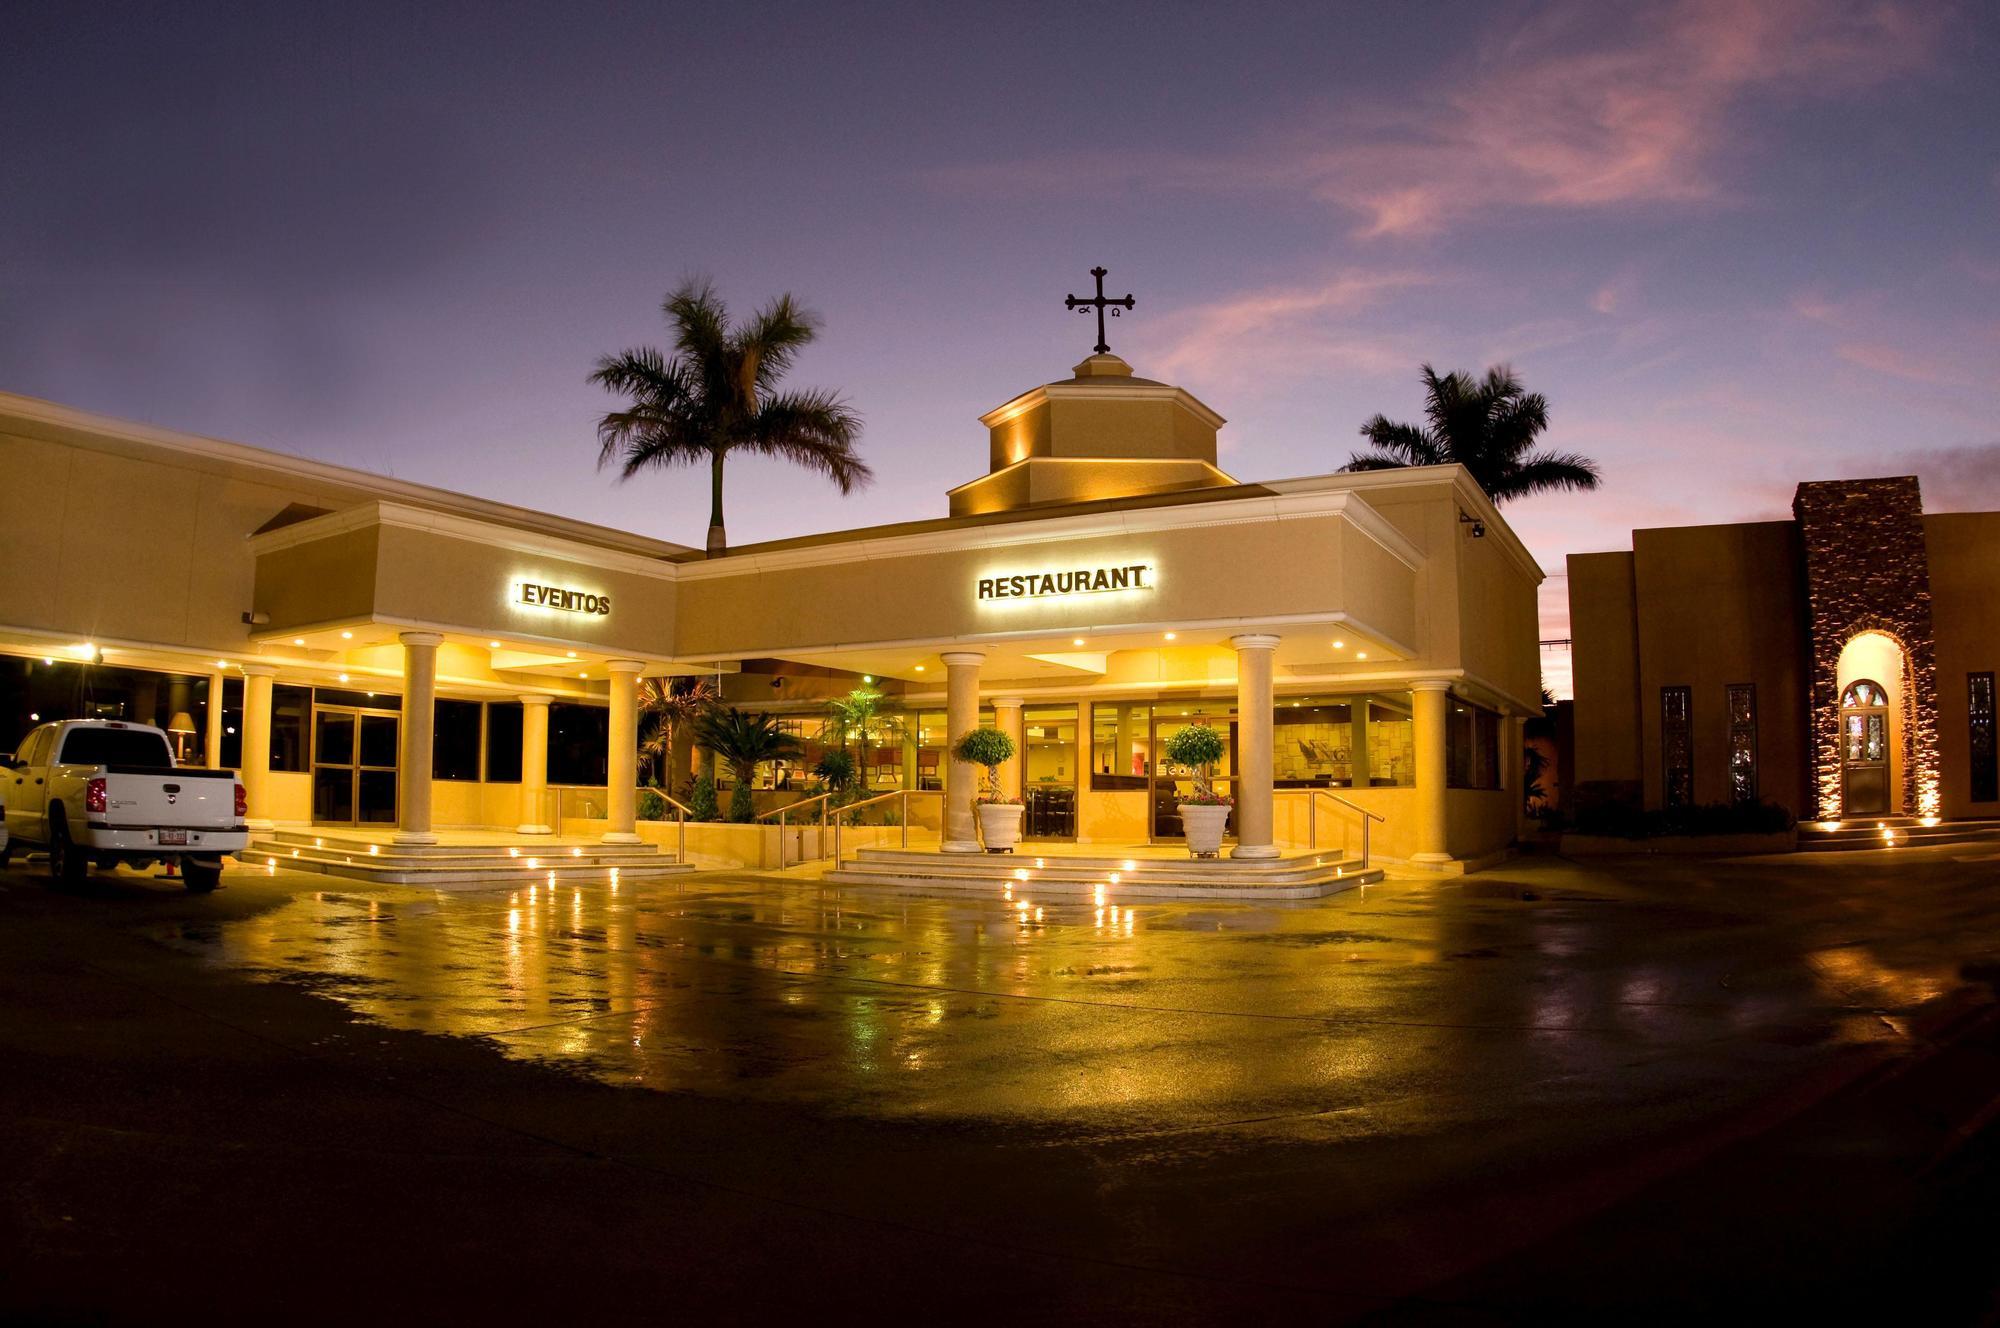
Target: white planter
1204 824
1000 825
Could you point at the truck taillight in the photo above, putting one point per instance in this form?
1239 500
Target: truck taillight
242 801
93 796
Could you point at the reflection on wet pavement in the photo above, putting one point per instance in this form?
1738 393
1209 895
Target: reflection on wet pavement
1405 1006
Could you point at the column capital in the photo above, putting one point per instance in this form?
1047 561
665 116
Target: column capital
1255 641
1007 702
259 670
421 638
1430 684
959 659
535 698
625 665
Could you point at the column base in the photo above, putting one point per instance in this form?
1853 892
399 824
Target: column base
1254 851
532 830
620 837
415 837
961 846
1431 859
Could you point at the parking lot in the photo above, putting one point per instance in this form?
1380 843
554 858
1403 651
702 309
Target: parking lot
1350 1105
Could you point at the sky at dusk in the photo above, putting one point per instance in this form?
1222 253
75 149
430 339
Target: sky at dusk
1736 245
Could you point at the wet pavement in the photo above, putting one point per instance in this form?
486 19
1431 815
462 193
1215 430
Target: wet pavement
1152 1109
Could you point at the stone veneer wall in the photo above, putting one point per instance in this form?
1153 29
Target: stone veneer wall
1867 570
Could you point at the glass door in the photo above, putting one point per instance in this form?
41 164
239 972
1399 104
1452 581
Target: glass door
1169 786
354 766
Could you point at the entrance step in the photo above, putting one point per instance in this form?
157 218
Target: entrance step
1302 876
1889 832
464 862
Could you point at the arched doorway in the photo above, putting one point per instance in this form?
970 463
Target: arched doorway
1864 749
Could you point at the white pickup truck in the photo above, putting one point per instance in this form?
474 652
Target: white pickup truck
102 791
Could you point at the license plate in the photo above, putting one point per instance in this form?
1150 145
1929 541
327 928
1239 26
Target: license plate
174 837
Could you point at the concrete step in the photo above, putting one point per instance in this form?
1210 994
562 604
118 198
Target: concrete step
481 865
1114 877
1887 832
385 847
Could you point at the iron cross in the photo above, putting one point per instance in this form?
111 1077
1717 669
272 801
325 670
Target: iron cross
1100 304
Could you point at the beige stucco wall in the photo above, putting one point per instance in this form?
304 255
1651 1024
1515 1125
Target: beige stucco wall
1964 552
1302 567
1604 649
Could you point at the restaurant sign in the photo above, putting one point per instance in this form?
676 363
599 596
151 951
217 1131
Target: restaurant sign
535 595
1076 581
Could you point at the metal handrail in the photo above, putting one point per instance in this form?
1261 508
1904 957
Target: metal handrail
782 812
905 794
1312 816
682 812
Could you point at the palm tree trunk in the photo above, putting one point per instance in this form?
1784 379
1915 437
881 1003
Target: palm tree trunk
718 540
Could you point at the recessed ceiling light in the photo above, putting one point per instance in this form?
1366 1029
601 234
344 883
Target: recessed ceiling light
298 640
868 677
347 636
1361 654
583 675
492 645
1170 636
572 654
920 668
221 663
1340 645
343 677
1076 641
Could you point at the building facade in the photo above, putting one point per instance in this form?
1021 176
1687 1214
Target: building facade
1840 664
368 651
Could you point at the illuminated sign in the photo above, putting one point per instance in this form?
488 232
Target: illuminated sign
1077 581
535 595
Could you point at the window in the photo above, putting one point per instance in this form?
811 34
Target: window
1742 742
1676 748
455 743
1979 715
114 747
232 724
1472 747
579 744
503 742
1121 751
290 708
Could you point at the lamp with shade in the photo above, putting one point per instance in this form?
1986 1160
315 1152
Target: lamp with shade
181 726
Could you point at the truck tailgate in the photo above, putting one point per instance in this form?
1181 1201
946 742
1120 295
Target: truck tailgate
190 799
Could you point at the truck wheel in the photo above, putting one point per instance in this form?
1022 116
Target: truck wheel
68 866
201 875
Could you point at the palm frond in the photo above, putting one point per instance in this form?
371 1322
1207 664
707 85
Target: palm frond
813 429
1402 444
1544 471
772 340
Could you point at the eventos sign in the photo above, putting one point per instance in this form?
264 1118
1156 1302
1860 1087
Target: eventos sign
1078 581
535 595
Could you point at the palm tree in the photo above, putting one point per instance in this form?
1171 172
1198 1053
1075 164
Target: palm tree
1486 426
667 709
718 394
745 741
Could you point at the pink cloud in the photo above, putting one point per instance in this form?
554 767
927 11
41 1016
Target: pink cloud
1590 107
1286 330
1897 364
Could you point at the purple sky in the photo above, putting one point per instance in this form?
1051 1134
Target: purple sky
1736 245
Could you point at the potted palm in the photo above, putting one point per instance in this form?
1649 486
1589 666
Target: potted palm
999 815
745 741
1204 813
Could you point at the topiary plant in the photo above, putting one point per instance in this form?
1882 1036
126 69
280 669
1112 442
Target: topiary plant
991 748
701 800
1197 748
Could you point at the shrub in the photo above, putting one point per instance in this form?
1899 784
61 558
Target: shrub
742 804
1196 749
835 770
652 807
701 800
991 748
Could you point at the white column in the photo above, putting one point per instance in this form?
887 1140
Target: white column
413 762
534 763
1428 702
1007 718
623 767
211 743
961 778
257 743
1255 761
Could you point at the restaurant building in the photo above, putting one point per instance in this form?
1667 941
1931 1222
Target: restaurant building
377 653
1839 664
